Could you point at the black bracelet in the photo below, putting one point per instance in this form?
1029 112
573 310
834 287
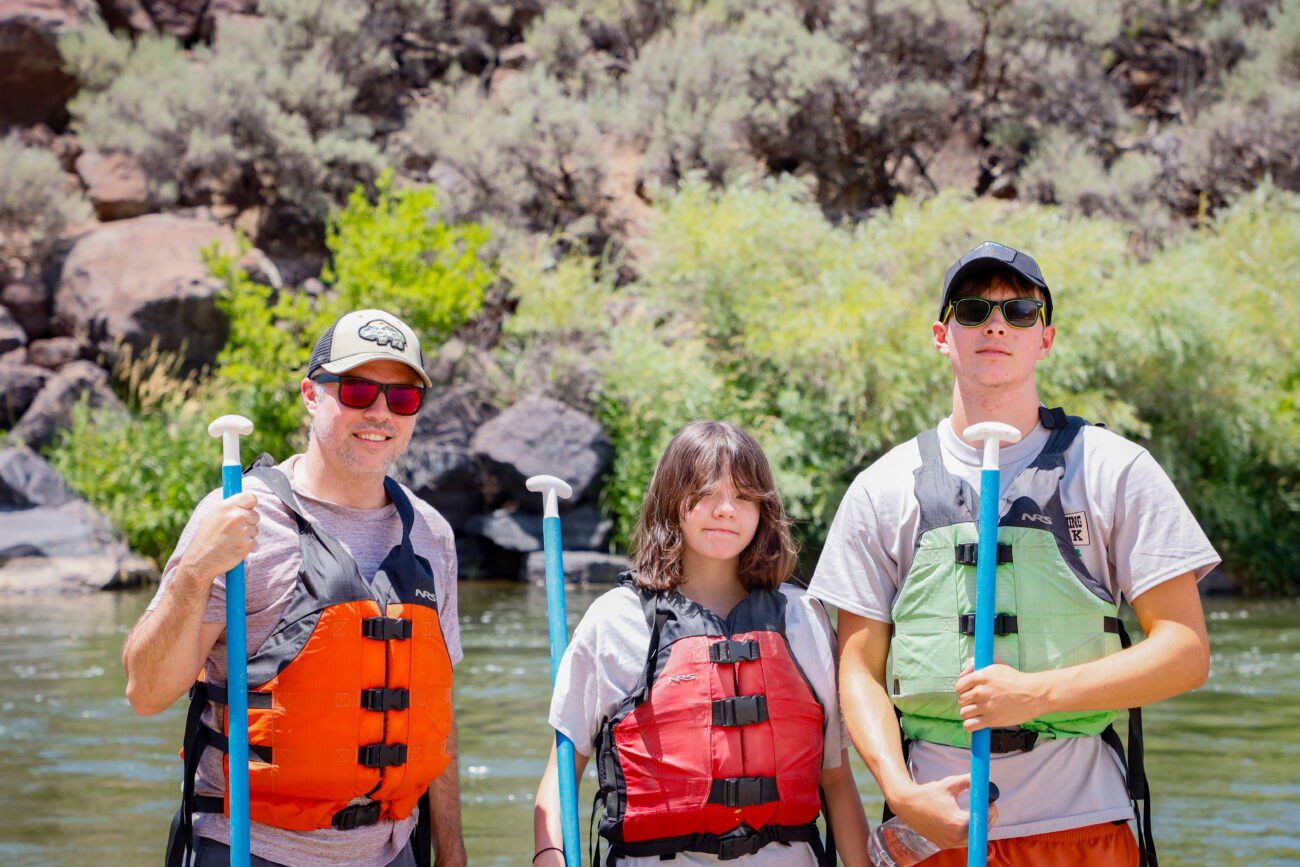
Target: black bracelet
547 849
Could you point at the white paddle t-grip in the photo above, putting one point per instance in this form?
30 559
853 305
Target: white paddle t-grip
992 434
550 487
230 428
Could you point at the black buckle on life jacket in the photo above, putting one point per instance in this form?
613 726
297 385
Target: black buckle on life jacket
730 848
356 816
381 755
726 652
1003 624
1011 740
386 628
743 710
743 791
965 553
381 699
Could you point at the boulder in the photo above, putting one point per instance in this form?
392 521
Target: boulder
51 411
438 465
540 436
128 15
34 87
581 529
12 335
115 185
52 540
580 567
19 385
28 480
56 352
141 280
30 305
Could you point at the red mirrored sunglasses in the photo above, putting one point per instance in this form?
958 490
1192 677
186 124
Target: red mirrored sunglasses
358 393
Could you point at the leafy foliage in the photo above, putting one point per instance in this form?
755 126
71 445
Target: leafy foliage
35 205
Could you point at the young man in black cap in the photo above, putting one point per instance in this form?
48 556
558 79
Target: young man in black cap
351 625
1086 517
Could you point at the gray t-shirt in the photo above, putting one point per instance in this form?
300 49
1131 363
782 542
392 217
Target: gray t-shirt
1130 527
603 665
271 574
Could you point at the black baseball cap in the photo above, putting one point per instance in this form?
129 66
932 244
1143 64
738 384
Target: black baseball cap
992 256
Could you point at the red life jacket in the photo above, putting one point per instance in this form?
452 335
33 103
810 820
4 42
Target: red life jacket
719 750
349 697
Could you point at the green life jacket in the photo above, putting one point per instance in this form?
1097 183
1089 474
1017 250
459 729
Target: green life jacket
1050 613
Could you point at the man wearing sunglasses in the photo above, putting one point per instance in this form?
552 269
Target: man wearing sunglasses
351 629
1086 518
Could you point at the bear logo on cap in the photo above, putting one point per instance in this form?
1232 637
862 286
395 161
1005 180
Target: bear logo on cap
381 332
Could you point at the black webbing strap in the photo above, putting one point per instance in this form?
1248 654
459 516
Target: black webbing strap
1135 771
218 741
965 553
742 710
257 700
737 843
1114 625
727 652
180 843
1003 624
743 791
1053 418
1012 740
356 816
422 834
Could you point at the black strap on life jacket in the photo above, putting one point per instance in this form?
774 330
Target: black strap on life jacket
1135 773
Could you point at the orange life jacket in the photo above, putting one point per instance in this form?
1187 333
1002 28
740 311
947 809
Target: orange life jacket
350 696
719 749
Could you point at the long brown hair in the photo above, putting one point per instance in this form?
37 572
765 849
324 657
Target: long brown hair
696 458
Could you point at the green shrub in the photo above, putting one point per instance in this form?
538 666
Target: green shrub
528 152
35 206
264 116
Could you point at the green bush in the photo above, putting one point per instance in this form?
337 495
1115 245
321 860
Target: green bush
266 115
527 152
35 206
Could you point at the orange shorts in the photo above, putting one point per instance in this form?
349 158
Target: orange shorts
1104 845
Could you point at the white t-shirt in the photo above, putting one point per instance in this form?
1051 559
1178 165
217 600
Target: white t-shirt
603 665
271 574
1130 527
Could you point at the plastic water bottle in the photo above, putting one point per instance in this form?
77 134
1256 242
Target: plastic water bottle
895 844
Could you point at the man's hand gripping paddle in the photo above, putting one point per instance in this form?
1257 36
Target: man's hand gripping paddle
229 428
550 488
993 434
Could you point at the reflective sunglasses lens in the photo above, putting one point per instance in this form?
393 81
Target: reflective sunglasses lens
971 311
357 393
1020 312
404 399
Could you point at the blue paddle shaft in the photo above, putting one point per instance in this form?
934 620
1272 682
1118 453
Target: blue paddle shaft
237 692
986 560
556 610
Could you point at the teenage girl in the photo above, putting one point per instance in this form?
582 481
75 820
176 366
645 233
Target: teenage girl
704 685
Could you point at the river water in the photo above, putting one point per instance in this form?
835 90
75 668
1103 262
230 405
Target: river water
84 780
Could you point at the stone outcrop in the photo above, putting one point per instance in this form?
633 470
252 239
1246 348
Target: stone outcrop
581 528
51 410
141 280
541 436
115 184
19 386
34 88
438 464
580 567
53 541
